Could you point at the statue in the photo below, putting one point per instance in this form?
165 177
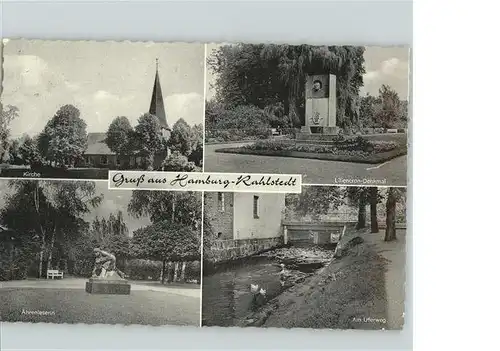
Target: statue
105 265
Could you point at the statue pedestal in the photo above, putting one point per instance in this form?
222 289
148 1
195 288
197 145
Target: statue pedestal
102 286
112 284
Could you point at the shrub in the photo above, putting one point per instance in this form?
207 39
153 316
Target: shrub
138 269
193 271
178 162
383 146
239 123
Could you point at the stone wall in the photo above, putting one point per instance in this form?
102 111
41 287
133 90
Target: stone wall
220 218
226 250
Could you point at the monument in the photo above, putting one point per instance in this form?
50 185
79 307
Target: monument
106 278
321 108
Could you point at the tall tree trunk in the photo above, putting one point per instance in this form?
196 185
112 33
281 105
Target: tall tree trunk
40 264
169 271
293 110
163 272
183 271
51 248
176 269
373 209
36 202
390 220
361 211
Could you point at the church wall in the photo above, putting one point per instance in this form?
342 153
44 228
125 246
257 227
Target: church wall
97 161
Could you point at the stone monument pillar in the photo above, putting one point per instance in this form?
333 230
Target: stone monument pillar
321 105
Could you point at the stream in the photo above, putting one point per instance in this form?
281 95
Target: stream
226 292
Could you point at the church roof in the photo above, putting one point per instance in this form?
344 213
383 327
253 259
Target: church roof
157 107
96 145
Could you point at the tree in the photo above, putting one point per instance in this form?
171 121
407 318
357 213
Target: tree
147 139
358 196
64 138
111 234
213 109
181 138
262 75
314 201
167 241
118 136
176 162
15 157
181 207
374 199
196 155
6 116
393 196
54 209
367 111
389 110
29 152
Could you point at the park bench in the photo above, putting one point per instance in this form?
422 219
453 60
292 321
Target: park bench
52 273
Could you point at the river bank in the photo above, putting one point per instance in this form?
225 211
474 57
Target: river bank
227 296
362 287
348 293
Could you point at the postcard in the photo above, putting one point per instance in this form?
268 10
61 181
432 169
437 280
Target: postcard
192 184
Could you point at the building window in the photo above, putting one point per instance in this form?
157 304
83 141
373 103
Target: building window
104 160
220 201
87 160
255 207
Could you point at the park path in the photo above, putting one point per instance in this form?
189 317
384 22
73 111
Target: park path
313 171
395 278
189 290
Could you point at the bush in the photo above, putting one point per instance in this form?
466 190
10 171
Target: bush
193 271
240 123
138 269
178 162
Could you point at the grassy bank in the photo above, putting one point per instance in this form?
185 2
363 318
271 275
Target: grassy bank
349 293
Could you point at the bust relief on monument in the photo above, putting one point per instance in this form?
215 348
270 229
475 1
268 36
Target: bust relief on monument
317 86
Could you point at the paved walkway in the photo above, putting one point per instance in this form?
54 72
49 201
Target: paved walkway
190 290
395 277
313 171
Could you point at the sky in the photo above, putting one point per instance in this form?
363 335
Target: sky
383 65
113 201
102 79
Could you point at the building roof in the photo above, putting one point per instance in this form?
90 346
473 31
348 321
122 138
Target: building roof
96 145
157 106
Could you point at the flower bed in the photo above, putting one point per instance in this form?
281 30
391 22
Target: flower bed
356 149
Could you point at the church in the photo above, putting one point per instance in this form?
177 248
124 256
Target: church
98 154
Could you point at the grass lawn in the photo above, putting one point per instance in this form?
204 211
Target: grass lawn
371 149
77 306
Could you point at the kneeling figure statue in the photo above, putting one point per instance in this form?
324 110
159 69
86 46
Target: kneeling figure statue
105 264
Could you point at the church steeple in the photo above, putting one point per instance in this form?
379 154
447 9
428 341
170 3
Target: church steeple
157 107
